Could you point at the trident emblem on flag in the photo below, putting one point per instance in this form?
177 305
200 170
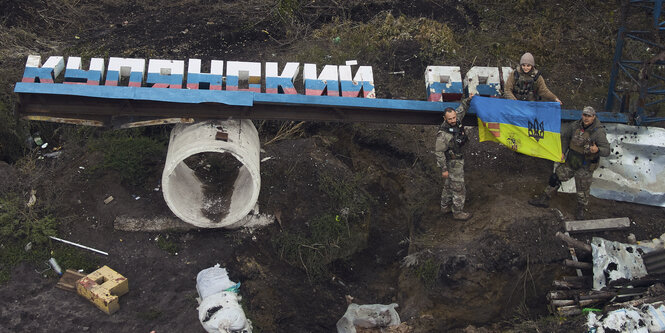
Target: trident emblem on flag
536 129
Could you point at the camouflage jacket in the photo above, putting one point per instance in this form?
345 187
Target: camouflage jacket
577 138
539 88
444 138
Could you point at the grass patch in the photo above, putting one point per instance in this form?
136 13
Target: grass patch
167 243
335 234
326 239
427 271
132 154
24 235
18 222
150 314
380 38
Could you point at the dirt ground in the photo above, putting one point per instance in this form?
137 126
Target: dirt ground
505 256
491 272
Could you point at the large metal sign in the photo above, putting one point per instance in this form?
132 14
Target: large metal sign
126 92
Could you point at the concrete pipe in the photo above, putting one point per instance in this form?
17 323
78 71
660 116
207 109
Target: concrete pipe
198 190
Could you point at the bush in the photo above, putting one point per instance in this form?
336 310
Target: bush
130 153
21 225
19 222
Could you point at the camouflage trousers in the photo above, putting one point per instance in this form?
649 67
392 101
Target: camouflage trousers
583 177
454 192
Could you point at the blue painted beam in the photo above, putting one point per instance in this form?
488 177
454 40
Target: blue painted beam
375 106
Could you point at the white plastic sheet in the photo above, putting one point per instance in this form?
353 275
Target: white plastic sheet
648 318
368 316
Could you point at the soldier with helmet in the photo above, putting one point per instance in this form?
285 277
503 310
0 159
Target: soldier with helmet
586 141
450 158
526 82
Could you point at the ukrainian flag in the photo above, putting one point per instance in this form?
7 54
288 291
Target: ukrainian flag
530 128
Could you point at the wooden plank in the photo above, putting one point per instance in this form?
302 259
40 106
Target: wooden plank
68 280
574 256
571 310
562 302
597 225
574 242
577 264
563 294
87 108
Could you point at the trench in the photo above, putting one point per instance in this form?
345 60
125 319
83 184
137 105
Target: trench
482 272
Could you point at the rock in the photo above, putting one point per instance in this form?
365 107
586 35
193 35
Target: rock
632 239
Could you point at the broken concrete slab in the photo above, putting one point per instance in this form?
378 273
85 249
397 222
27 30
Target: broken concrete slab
150 223
598 224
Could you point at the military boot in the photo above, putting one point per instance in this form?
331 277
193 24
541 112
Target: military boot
446 209
542 200
462 216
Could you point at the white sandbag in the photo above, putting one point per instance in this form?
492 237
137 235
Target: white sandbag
212 280
222 313
368 316
219 308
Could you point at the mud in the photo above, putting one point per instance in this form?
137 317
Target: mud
217 174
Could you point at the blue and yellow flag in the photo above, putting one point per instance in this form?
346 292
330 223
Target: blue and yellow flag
530 128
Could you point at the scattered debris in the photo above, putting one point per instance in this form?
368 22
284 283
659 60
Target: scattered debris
368 316
37 139
79 245
646 318
33 198
632 239
69 279
54 154
108 200
105 295
623 276
266 158
219 307
55 266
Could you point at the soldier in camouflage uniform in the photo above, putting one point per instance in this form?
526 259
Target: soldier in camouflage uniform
586 142
525 83
449 157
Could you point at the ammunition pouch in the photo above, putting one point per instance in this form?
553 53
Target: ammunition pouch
451 155
593 164
575 160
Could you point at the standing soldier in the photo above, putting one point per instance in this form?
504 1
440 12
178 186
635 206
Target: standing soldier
586 142
449 157
526 84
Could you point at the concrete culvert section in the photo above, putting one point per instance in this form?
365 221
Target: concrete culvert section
211 176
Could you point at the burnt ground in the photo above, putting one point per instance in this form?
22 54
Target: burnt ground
491 271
